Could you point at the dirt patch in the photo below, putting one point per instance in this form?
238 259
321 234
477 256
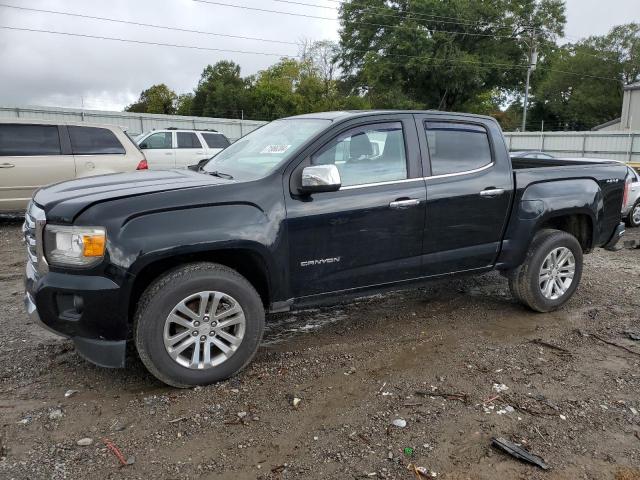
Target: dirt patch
438 358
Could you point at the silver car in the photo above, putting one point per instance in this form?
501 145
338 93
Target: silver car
631 212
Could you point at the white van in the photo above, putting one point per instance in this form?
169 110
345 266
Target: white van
173 148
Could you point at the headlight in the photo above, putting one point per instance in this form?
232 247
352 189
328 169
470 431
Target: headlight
74 246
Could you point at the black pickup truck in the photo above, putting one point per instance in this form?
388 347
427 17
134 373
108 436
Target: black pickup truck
305 210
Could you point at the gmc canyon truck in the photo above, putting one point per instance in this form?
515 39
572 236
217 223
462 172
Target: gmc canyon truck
306 210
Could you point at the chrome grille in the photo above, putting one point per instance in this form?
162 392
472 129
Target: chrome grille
34 221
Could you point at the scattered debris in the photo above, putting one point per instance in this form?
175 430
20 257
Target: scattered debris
421 472
176 420
518 452
55 414
399 422
633 335
463 397
560 350
70 393
408 451
491 399
505 410
500 387
295 402
563 417
85 442
242 414
116 451
633 411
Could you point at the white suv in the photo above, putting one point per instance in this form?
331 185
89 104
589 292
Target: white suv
173 148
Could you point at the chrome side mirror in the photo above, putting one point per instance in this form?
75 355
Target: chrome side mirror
320 178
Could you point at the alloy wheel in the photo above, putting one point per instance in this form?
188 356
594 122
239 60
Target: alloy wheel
556 273
204 330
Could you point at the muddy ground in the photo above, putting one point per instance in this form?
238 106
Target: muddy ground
430 357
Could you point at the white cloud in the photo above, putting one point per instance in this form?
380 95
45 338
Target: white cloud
45 69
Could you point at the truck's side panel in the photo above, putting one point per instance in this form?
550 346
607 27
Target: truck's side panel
543 195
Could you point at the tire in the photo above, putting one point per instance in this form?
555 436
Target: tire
526 282
633 220
170 312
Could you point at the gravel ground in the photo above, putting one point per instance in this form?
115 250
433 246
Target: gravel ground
460 362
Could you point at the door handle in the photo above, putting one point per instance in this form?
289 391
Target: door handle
7 165
200 153
492 192
400 204
168 153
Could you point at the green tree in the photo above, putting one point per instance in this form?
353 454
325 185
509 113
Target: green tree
592 94
155 99
221 91
184 104
434 54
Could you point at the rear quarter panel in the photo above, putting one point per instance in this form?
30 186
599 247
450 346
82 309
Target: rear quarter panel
542 194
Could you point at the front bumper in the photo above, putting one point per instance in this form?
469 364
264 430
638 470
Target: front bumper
614 243
82 308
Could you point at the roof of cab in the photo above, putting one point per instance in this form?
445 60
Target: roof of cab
344 114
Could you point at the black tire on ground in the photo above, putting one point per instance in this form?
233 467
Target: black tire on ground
630 222
158 301
524 281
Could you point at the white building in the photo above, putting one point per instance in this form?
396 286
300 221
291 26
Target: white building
630 118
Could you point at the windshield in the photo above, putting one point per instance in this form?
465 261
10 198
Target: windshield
258 153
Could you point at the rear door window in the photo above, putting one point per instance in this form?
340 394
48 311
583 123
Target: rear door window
29 140
188 140
157 141
94 141
215 140
457 147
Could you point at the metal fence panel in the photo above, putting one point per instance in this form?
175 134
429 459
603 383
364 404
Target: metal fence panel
133 123
623 146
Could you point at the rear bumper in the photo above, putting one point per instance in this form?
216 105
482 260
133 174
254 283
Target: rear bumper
83 309
614 243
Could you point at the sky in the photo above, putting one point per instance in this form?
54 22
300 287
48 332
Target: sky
65 71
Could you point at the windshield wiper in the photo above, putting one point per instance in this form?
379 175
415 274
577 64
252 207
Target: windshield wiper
220 175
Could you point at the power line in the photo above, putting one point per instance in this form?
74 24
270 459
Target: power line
127 22
341 2
140 24
281 12
585 75
197 47
400 15
282 55
145 42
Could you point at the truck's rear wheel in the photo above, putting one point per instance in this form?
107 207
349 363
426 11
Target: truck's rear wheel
198 324
550 273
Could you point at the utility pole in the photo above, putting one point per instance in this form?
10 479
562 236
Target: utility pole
533 61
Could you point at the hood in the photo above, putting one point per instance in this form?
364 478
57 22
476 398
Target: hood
78 194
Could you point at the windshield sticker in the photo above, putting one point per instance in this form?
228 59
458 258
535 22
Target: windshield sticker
275 149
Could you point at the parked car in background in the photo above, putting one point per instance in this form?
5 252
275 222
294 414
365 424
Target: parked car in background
37 153
531 154
173 148
631 211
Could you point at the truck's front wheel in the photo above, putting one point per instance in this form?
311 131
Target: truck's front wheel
198 324
550 273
